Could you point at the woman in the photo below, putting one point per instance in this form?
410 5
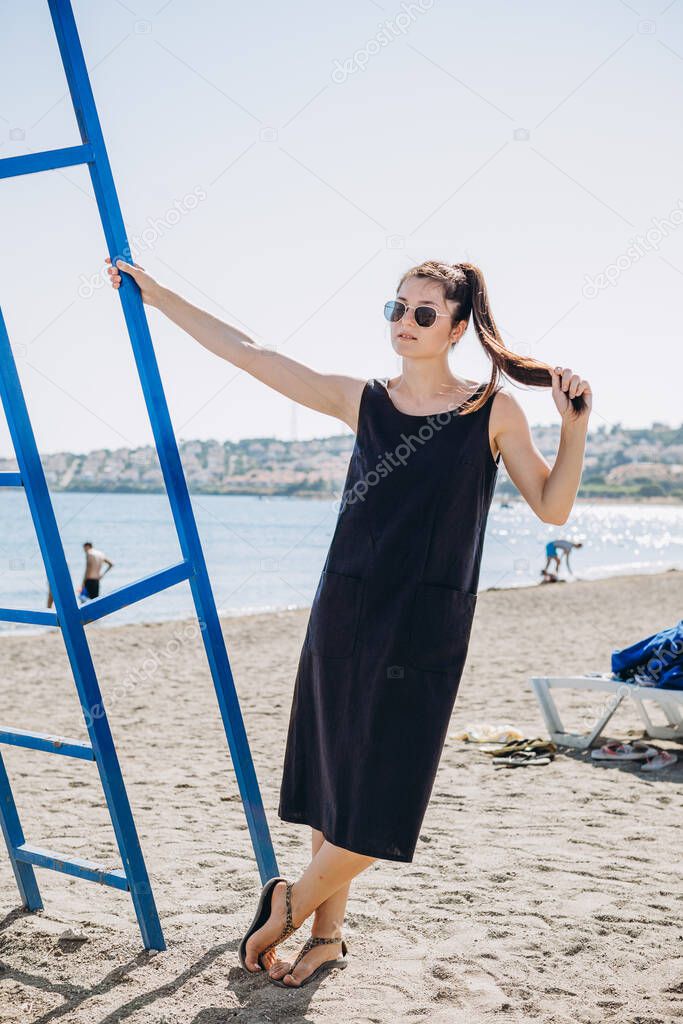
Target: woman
390 622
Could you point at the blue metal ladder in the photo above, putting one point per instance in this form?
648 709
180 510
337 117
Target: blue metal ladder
68 615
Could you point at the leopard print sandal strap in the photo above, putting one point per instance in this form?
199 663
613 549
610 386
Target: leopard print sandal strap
309 944
289 927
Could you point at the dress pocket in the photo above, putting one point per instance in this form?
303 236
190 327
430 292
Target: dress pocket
440 627
335 613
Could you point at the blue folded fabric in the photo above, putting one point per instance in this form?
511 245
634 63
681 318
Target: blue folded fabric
657 660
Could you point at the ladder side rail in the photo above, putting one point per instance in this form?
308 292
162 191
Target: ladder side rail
68 612
14 838
167 448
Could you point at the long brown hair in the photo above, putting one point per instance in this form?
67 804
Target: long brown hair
463 283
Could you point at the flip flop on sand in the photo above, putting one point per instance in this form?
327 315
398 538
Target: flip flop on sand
506 748
260 917
658 759
616 751
536 746
521 759
322 968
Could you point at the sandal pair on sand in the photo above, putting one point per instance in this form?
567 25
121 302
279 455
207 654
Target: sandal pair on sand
521 753
261 916
652 757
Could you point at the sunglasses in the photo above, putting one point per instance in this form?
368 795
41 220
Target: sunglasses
425 316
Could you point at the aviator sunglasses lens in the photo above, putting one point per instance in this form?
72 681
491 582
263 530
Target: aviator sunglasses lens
425 316
393 311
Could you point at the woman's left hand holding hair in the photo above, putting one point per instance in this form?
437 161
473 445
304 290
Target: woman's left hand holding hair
549 491
567 385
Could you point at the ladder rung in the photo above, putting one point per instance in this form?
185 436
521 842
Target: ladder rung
28 615
47 160
72 866
51 744
133 592
101 606
11 480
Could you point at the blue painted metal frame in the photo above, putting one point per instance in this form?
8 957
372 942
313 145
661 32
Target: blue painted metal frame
78 651
68 615
48 743
98 607
14 838
50 160
162 429
76 866
29 615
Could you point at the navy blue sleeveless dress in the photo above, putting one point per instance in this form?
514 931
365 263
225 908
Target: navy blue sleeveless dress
389 626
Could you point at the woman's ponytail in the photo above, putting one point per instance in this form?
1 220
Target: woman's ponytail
464 284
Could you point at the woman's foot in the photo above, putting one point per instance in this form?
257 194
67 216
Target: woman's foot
281 970
271 929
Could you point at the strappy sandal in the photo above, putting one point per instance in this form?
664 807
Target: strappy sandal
289 927
261 916
541 747
522 759
326 965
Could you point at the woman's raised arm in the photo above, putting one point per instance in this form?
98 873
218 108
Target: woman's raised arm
330 393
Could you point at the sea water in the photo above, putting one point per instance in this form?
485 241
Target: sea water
265 554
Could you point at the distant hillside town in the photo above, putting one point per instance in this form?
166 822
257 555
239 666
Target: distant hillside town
646 463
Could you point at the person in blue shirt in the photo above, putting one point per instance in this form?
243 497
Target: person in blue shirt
554 552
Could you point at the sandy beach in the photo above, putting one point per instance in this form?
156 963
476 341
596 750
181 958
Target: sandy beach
550 893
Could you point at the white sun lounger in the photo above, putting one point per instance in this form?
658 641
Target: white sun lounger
670 702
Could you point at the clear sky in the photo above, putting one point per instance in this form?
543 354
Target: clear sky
282 165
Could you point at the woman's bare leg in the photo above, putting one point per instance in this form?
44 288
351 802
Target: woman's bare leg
327 923
331 868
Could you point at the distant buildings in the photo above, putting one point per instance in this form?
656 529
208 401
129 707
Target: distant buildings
643 463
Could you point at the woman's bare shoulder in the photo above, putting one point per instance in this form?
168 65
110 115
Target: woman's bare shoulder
506 402
507 414
352 389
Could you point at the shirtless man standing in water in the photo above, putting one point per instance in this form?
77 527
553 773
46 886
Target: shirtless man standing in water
94 560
